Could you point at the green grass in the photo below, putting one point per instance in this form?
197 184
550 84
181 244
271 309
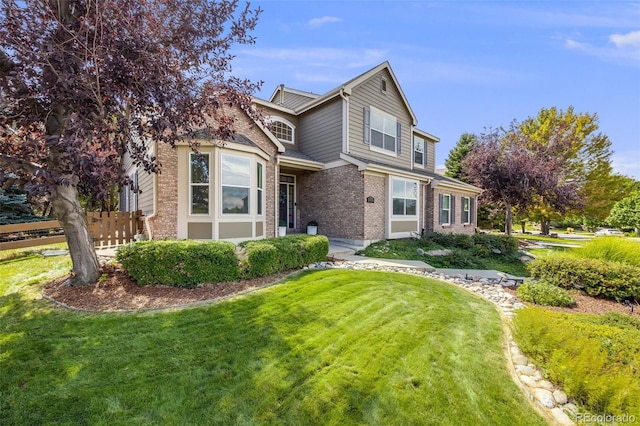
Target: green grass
25 268
612 249
325 347
542 238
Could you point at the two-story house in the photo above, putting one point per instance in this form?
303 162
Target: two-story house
351 159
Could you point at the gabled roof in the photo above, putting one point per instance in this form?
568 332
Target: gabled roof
283 88
346 88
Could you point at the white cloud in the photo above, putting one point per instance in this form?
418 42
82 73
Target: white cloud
623 40
320 22
626 163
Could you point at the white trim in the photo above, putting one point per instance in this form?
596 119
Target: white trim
440 210
462 210
456 186
300 163
413 152
282 120
362 166
191 185
385 116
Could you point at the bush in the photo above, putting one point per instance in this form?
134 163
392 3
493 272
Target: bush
598 278
462 241
179 263
507 245
596 359
263 257
543 293
613 249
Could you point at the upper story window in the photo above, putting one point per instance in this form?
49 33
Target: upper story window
236 184
283 130
418 151
199 183
382 131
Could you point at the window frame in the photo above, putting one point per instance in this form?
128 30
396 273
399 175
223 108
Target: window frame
199 184
286 123
448 209
224 185
466 210
385 117
405 197
424 149
260 168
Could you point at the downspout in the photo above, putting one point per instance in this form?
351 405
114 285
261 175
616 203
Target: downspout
276 204
345 120
152 217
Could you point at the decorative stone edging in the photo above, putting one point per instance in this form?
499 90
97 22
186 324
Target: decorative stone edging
549 398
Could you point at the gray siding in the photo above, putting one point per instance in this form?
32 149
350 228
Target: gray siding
145 183
430 164
369 94
320 131
294 100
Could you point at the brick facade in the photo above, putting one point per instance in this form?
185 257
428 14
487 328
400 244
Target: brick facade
457 227
335 199
166 221
375 214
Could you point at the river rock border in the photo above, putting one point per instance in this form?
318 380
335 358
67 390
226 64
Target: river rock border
552 400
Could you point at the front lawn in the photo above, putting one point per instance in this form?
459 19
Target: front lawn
325 347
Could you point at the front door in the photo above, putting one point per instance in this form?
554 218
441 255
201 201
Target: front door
287 209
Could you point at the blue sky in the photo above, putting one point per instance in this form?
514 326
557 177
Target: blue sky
464 66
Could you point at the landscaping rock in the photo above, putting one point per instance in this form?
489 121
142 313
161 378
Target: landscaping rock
561 417
560 397
525 370
520 360
444 252
528 380
544 397
545 384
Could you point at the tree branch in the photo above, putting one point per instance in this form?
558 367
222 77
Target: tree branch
7 161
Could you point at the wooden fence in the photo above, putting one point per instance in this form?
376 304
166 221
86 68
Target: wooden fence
106 228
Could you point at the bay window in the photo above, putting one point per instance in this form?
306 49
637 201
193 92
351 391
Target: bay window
199 174
236 184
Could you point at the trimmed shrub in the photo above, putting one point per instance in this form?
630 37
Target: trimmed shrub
595 359
273 255
543 293
598 278
181 263
507 245
462 241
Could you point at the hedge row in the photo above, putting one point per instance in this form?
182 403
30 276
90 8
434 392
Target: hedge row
186 263
545 294
595 357
273 255
598 277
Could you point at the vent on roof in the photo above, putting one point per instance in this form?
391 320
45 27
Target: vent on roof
383 85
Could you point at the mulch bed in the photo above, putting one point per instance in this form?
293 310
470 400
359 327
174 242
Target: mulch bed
118 292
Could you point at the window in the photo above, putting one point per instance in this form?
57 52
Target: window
282 130
260 187
405 197
445 209
199 183
236 184
382 131
466 210
418 151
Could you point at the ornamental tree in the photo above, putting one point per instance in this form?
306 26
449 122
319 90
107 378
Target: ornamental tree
626 213
84 81
517 177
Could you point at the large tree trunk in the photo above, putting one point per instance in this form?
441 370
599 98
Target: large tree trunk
544 227
67 208
508 222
